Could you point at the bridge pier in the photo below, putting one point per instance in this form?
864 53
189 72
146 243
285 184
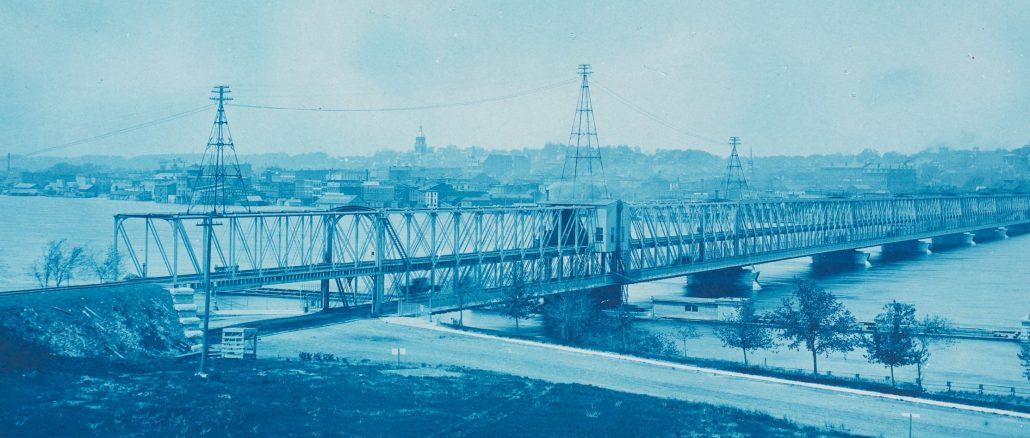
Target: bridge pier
1018 229
607 297
846 259
907 248
948 241
324 288
721 282
989 234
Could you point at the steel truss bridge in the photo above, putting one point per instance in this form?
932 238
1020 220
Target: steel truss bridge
359 256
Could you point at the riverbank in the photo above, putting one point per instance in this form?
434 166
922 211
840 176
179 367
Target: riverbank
1005 398
805 404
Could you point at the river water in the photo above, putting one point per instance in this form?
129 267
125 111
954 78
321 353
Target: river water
984 285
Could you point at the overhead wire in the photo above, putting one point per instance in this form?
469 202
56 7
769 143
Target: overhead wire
410 108
119 131
636 108
651 116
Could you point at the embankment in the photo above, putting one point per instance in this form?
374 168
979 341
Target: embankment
106 321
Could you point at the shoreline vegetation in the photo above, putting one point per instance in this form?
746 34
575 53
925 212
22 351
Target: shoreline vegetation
970 397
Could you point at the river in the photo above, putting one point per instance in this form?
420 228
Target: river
983 285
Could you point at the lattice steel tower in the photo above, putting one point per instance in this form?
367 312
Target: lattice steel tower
734 186
582 177
217 185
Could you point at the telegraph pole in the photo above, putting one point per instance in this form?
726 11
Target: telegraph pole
208 224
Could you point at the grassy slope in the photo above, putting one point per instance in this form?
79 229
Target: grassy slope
130 320
160 397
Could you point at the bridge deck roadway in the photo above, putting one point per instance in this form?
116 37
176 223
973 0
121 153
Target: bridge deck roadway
225 280
323 271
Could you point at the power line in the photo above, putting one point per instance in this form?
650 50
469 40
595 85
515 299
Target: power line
653 117
119 131
411 108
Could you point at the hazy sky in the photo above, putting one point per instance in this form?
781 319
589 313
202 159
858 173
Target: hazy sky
787 77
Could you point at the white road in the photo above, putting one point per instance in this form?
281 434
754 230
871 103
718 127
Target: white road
807 404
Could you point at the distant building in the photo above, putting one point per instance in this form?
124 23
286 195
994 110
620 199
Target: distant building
333 200
165 192
868 179
420 142
432 199
24 189
400 173
506 166
378 195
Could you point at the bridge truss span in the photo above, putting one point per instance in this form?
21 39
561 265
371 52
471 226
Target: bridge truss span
672 239
471 254
372 254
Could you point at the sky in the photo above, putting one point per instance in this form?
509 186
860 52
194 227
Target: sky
787 77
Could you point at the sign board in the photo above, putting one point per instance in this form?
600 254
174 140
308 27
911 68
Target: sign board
398 351
239 343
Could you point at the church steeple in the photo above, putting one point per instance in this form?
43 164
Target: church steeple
420 142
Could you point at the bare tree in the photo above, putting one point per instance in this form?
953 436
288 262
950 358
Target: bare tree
744 331
931 330
813 318
569 313
108 269
517 301
58 264
893 339
686 333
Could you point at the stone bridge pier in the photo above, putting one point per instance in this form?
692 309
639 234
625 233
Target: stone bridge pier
722 282
840 260
949 241
904 249
989 234
1018 229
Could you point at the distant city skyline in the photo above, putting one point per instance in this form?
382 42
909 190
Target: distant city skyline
797 78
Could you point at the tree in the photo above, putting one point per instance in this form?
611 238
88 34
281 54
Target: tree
931 330
517 301
58 264
813 318
621 324
1024 358
108 269
569 314
686 333
744 331
465 290
893 339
